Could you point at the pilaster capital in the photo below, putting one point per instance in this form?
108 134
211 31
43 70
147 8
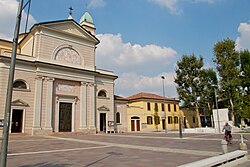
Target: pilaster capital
92 84
84 83
49 79
39 77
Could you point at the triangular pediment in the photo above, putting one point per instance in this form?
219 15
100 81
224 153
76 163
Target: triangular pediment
103 108
70 27
19 102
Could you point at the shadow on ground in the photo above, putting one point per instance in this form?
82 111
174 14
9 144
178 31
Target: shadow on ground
45 164
109 155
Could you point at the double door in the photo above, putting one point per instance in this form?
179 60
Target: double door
135 124
65 117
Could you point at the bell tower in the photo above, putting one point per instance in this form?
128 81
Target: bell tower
87 23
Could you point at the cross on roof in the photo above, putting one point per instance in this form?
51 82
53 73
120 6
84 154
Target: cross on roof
70 10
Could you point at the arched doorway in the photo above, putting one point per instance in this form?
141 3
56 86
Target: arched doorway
135 123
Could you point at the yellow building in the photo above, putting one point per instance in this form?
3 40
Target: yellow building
190 119
146 110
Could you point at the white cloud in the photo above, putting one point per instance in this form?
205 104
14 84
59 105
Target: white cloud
96 4
138 67
132 83
171 5
8 13
243 41
204 1
127 56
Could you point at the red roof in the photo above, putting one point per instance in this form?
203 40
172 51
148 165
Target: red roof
143 95
120 98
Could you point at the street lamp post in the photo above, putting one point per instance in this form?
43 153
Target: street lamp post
217 109
6 124
180 127
164 112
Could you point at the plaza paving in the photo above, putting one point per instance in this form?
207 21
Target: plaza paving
119 150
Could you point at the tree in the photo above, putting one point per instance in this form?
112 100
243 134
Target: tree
245 82
156 117
189 83
227 65
245 71
209 79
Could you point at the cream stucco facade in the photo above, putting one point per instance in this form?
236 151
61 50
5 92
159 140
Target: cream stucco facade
57 87
120 114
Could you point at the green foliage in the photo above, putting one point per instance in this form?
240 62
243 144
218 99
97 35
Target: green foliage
188 79
227 64
245 82
190 82
245 71
246 107
156 117
195 84
207 100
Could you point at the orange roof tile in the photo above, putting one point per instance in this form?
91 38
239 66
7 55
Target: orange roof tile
143 95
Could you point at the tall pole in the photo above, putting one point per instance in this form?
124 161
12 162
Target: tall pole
180 128
27 19
6 126
217 108
163 89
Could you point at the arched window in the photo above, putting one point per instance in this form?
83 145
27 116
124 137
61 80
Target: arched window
149 120
118 118
135 117
102 93
19 84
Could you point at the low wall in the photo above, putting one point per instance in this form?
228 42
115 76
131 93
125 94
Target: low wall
199 130
231 159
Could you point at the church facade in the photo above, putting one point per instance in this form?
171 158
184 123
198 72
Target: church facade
57 87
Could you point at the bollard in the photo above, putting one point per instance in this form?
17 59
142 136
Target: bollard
243 145
224 146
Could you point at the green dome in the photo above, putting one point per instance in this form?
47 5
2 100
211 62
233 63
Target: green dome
87 18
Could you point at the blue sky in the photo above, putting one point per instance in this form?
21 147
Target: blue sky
142 39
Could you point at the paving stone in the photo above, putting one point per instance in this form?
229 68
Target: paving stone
127 149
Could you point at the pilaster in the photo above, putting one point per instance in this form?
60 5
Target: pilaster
49 104
38 103
92 105
83 105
